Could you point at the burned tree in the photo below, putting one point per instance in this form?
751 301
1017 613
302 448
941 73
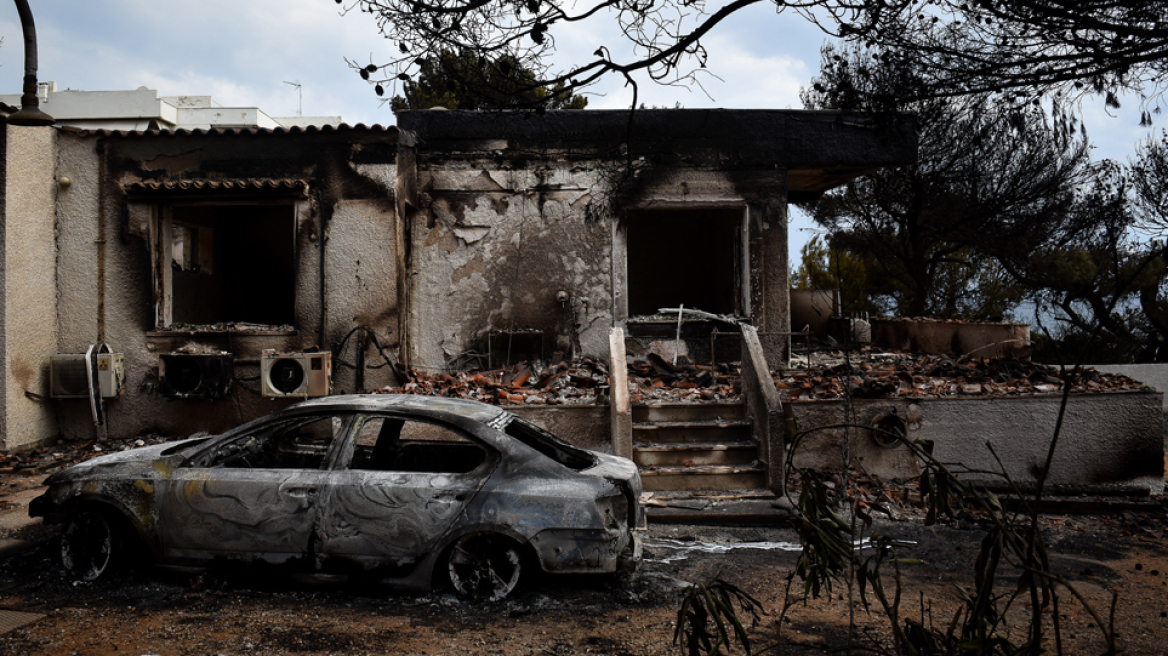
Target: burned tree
984 170
1065 47
1095 46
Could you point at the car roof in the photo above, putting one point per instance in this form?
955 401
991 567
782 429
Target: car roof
432 406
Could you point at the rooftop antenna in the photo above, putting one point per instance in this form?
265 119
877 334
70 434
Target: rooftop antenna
299 96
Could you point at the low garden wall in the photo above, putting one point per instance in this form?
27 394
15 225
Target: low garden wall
1109 442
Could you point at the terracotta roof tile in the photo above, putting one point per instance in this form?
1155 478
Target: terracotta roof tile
228 185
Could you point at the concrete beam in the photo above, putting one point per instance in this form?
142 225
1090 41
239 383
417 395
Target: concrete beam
820 149
621 411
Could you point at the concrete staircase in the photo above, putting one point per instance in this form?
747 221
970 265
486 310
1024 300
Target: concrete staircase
696 447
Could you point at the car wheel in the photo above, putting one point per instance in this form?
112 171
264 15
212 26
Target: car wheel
484 566
89 545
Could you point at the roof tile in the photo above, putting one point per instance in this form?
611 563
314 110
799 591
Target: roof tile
232 184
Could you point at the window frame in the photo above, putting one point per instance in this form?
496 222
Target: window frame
202 458
345 455
161 224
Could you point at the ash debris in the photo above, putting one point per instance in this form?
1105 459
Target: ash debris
876 373
53 456
582 381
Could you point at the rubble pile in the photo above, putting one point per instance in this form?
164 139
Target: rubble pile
581 382
228 327
873 374
658 380
50 457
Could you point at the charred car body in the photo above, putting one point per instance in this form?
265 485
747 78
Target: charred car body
411 489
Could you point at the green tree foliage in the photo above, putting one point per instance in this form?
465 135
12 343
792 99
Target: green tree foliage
1105 273
468 81
984 172
856 277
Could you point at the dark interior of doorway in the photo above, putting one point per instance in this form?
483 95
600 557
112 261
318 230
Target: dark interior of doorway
685 256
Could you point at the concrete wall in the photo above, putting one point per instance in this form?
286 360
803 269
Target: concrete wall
513 207
1152 375
979 339
345 273
28 282
492 247
1108 441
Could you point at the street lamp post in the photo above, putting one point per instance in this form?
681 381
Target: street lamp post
30 112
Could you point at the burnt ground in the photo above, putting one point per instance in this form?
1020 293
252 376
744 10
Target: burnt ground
257 611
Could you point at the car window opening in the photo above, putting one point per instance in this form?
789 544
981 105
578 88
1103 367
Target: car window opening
184 446
398 445
549 445
301 444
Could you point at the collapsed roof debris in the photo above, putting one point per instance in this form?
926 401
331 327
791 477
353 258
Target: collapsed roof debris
659 380
872 373
229 327
582 382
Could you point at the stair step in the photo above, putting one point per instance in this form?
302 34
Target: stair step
724 445
693 431
687 411
707 423
703 477
727 452
671 496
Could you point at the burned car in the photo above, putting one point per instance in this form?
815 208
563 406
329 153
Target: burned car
413 490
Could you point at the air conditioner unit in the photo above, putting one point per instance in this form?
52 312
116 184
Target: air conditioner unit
67 379
296 374
195 375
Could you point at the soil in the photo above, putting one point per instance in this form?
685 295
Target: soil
146 610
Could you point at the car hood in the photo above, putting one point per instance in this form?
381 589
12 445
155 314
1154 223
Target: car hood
134 462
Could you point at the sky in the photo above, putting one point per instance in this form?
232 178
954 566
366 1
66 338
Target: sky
242 53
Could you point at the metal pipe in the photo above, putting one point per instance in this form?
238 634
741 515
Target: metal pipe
30 113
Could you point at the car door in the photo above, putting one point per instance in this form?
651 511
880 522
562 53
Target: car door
400 484
253 495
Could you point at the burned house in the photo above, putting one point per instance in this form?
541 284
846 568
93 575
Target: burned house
191 253
218 275
551 229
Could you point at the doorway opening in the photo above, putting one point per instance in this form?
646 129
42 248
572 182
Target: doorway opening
690 257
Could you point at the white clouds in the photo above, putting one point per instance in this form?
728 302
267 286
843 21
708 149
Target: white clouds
241 52
238 52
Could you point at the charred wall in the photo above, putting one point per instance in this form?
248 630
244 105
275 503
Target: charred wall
492 248
342 236
514 208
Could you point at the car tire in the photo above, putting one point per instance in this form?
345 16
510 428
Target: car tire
484 566
90 545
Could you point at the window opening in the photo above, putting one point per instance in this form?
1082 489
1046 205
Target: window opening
298 444
229 264
685 257
406 445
